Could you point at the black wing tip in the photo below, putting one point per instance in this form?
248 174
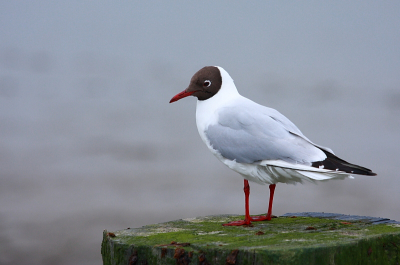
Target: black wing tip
333 162
366 173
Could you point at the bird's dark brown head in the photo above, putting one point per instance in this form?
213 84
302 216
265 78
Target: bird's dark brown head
203 85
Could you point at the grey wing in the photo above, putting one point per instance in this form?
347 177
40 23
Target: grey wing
251 133
290 126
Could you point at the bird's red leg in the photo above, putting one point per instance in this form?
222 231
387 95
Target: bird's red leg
247 220
271 199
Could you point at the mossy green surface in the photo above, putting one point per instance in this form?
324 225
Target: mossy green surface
283 240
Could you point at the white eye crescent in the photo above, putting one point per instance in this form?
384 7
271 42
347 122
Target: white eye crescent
207 83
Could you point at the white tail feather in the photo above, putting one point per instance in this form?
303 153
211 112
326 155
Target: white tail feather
274 171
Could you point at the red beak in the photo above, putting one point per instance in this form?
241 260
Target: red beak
183 94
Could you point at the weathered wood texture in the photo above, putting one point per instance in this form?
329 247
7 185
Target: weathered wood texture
295 238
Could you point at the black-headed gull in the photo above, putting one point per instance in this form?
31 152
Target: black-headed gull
256 141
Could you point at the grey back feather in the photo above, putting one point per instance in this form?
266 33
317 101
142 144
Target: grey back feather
248 132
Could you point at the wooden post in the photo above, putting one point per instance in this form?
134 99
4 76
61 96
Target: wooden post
294 238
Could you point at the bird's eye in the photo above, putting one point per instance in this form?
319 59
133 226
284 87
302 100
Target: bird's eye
207 83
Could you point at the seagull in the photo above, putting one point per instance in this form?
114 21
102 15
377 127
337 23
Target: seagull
258 142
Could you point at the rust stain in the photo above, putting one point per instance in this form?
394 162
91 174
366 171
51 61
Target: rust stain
369 252
163 252
111 234
181 258
203 260
133 258
179 252
231 259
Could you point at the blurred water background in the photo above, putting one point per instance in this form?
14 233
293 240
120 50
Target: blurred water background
88 140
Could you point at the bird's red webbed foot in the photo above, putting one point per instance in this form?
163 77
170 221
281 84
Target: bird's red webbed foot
252 219
261 218
247 221
238 223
